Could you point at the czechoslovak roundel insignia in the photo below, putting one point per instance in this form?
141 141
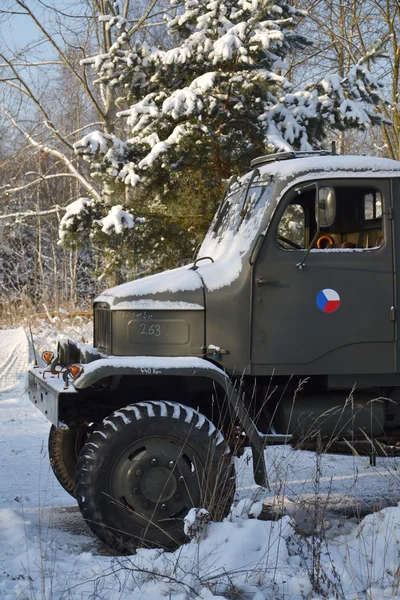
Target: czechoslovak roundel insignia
328 301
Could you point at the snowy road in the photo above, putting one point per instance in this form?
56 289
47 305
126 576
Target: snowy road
48 553
46 549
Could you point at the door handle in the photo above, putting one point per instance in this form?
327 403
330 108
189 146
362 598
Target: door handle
262 281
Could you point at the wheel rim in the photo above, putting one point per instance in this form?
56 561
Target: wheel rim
155 481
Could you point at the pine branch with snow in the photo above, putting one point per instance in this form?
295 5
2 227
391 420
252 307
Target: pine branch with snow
219 97
198 104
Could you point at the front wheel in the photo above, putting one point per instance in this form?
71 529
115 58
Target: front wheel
64 448
139 474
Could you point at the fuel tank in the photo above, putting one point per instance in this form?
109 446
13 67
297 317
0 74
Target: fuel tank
331 416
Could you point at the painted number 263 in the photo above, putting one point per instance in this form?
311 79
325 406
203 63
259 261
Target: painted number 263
147 329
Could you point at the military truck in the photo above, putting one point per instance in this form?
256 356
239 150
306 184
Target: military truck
283 328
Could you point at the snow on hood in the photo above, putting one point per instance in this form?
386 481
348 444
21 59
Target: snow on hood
126 296
235 235
226 246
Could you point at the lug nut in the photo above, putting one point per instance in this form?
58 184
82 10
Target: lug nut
177 497
171 464
139 472
163 507
135 490
181 479
153 462
145 504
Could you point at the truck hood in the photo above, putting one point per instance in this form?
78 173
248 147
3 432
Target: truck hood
178 289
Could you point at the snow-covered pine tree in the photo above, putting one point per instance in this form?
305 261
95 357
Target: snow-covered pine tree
200 105
220 97
203 109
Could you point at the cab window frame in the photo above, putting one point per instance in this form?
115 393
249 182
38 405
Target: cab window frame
364 226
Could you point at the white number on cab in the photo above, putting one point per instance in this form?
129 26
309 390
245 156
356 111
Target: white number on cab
146 329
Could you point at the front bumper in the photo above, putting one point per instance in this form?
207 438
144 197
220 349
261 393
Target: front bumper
45 390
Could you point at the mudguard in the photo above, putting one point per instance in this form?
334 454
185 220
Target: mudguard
45 391
186 366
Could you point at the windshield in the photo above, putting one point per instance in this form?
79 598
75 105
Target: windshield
238 220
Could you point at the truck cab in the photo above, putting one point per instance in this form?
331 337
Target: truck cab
283 329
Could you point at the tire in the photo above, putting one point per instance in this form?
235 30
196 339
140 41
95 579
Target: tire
140 473
64 448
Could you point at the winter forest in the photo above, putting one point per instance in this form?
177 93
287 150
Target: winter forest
122 122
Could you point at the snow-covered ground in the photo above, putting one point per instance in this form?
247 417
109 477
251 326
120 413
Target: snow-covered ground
323 547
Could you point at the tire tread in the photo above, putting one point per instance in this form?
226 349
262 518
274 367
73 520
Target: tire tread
88 462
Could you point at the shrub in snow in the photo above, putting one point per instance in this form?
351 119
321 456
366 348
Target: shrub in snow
196 521
244 509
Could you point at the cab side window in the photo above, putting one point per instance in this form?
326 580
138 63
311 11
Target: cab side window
357 222
372 206
292 227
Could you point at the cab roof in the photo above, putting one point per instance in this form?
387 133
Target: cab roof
296 165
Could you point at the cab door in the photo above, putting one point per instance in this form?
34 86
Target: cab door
334 314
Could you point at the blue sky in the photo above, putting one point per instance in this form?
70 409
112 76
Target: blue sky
17 31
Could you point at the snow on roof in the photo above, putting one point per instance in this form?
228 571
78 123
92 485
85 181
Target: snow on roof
366 165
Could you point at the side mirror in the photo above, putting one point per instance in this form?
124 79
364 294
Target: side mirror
325 209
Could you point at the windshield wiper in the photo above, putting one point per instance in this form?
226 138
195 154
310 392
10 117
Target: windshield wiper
255 173
223 204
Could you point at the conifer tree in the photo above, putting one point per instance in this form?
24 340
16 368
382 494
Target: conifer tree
203 109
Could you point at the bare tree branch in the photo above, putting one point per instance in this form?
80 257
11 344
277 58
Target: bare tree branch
88 187
33 64
33 213
64 58
144 18
7 189
38 104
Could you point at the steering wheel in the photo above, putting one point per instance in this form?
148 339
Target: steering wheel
324 241
281 238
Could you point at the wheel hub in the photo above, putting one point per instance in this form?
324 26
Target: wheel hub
158 484
156 480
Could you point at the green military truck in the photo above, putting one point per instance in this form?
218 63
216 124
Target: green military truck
290 305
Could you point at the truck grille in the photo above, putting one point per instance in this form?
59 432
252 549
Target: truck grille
102 327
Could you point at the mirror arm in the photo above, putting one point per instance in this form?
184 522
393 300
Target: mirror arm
305 186
302 263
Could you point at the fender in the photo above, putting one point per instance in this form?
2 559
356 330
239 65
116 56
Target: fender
186 366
